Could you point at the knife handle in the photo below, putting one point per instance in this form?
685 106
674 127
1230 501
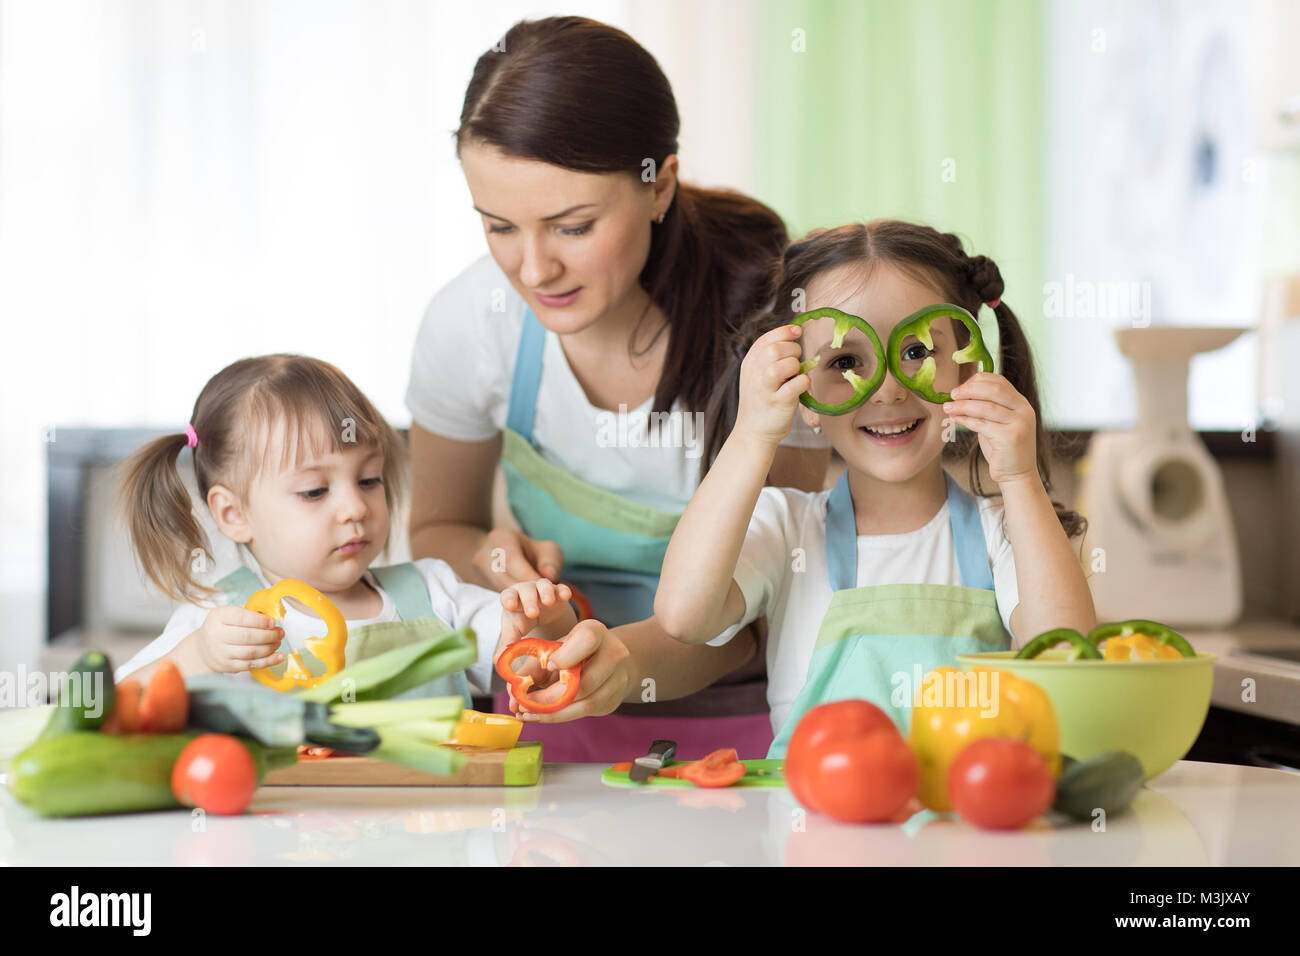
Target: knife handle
663 749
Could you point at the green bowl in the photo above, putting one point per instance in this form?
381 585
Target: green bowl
1152 709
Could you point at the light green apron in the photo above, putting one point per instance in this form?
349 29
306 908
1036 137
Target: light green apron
875 642
613 552
406 587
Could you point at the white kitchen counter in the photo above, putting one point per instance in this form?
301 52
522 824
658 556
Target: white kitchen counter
1192 815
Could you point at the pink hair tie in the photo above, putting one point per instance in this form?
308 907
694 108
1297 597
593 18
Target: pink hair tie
191 439
995 303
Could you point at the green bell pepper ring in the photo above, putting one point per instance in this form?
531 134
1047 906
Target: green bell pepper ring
862 388
1157 632
918 324
1080 646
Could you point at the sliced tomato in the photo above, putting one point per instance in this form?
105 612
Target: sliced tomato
125 715
720 758
720 774
675 771
310 752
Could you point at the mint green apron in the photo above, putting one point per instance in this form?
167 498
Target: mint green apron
406 587
875 642
613 552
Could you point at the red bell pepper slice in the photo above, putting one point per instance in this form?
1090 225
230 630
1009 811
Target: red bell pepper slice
521 684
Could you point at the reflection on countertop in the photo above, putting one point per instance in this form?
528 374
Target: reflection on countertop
1194 814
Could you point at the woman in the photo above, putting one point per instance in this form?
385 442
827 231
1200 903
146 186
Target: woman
612 292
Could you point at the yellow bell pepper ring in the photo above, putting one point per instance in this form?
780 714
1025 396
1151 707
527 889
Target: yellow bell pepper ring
941 728
329 650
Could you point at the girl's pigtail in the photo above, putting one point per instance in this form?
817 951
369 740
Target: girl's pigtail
1017 366
159 516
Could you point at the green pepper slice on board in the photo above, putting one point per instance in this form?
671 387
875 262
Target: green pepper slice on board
1157 632
862 388
922 381
1080 646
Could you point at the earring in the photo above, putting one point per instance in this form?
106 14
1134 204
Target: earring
817 429
660 220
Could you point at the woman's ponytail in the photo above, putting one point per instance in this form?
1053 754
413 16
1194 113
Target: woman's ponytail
159 516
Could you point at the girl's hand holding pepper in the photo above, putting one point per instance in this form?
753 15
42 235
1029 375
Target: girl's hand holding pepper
1003 419
536 604
233 639
606 673
770 385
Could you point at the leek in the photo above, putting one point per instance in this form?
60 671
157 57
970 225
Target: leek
389 674
373 713
417 753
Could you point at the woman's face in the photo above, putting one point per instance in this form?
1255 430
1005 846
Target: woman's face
895 434
572 244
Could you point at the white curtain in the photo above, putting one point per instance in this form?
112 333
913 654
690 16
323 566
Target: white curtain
186 183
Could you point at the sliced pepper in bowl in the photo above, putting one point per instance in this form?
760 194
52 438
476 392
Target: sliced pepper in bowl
1140 640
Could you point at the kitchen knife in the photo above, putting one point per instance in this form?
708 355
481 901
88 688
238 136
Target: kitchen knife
661 751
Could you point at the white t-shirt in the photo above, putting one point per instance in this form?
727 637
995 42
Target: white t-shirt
457 603
795 602
461 370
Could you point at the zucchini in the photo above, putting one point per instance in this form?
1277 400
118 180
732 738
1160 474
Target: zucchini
86 772
85 697
1109 781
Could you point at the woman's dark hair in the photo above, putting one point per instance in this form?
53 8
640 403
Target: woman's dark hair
935 258
585 96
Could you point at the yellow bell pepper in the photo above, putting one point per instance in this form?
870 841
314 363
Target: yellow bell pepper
329 650
1138 647
476 729
940 729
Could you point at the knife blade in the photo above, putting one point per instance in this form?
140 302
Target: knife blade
661 751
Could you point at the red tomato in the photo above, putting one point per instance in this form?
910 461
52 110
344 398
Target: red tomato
862 779
841 719
1000 784
216 773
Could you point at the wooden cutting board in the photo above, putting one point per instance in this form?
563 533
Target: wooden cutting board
519 766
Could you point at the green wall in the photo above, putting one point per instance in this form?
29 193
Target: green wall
863 123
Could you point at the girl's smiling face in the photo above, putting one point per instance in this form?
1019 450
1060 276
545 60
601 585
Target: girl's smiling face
895 434
321 518
573 244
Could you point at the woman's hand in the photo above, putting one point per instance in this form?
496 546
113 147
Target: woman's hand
509 557
606 673
770 385
991 407
536 604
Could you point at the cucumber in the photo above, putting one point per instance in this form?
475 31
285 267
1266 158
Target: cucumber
1109 781
85 698
86 772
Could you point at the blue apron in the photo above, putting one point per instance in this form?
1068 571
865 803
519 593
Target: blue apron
613 552
406 587
876 641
